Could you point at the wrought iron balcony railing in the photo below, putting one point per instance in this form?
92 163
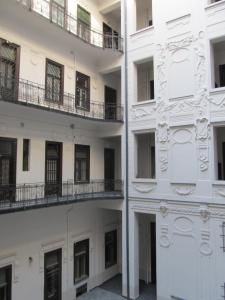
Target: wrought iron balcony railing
25 92
57 14
31 196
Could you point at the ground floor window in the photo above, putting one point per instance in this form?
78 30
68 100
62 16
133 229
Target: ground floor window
110 249
5 283
53 275
81 260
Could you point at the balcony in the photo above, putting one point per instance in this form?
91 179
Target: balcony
33 196
58 15
27 93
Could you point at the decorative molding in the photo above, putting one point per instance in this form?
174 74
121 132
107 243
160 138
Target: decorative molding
164 236
162 132
183 224
202 129
144 187
161 70
205 246
204 213
11 259
182 136
183 189
163 209
163 159
187 211
204 158
51 246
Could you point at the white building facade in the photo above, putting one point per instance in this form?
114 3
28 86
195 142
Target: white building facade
176 124
60 154
84 86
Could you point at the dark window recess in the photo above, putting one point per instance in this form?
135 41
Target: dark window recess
150 23
26 154
53 275
223 236
82 163
83 24
53 169
81 290
110 103
6 283
82 91
7 169
81 261
222 75
110 249
9 65
111 37
152 90
54 81
152 162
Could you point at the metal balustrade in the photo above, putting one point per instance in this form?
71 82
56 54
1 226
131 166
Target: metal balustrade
37 195
25 92
57 14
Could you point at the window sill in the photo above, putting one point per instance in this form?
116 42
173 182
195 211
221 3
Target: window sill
144 180
218 183
149 28
140 103
219 90
214 4
81 282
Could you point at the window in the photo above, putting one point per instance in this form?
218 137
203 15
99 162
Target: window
218 65
110 37
81 290
223 236
82 163
81 260
83 23
82 91
110 249
26 154
143 14
54 81
53 275
6 283
146 155
9 65
219 134
145 81
57 11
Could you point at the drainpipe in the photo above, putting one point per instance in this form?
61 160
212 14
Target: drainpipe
67 244
126 149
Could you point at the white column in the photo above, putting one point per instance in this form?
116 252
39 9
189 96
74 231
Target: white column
134 254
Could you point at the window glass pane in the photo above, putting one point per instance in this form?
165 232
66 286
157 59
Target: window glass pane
60 2
53 70
81 260
8 52
83 15
26 150
82 162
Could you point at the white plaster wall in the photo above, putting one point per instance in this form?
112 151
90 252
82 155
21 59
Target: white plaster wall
39 133
33 60
34 234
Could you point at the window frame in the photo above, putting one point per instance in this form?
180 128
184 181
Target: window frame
8 269
87 260
81 148
114 244
88 90
26 152
61 94
17 64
